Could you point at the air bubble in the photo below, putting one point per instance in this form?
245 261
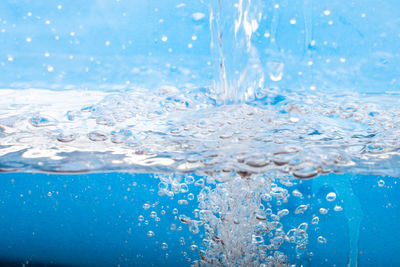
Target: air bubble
150 233
301 209
337 208
97 136
193 247
66 137
322 240
297 193
189 179
331 196
323 211
39 121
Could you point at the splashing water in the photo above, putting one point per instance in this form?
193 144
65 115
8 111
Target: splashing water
248 137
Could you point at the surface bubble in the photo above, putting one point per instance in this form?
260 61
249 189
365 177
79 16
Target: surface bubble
97 136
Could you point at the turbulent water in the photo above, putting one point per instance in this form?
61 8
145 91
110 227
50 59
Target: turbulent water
186 131
246 154
247 137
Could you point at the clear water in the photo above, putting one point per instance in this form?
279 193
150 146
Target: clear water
244 133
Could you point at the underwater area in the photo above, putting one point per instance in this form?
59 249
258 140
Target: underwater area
199 133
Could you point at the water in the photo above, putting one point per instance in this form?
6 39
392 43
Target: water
207 133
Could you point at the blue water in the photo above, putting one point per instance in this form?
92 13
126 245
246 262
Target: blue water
211 133
92 220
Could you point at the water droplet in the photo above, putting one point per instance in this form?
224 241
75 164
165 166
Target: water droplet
198 16
164 38
327 12
275 70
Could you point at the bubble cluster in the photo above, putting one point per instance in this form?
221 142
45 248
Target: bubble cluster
300 135
237 162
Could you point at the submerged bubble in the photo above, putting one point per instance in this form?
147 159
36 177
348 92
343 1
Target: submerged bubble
297 193
150 233
164 246
337 208
323 211
301 209
193 247
331 196
322 240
